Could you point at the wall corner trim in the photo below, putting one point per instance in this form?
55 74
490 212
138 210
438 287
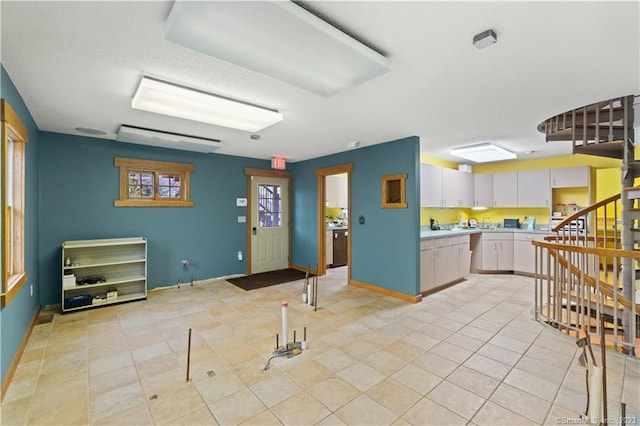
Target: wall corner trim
387 292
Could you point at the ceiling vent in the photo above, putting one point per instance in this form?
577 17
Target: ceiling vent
142 136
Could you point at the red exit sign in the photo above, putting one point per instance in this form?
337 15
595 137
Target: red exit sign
278 163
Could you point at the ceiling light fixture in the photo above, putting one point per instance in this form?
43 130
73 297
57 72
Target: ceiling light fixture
144 136
183 102
484 39
483 153
275 38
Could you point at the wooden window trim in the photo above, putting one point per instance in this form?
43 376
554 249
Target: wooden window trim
133 164
386 204
14 129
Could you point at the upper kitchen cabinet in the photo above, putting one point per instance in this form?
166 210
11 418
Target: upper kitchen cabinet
337 191
505 189
570 177
444 187
533 188
463 189
483 190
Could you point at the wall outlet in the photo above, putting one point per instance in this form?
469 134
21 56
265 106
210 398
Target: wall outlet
240 256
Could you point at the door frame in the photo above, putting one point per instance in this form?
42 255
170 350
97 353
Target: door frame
250 173
321 174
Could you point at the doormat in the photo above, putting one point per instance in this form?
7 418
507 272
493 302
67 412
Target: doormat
266 279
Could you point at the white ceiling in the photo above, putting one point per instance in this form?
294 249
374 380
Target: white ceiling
78 63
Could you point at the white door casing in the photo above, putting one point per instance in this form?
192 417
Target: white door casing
269 224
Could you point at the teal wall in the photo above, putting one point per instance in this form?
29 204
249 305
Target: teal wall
16 317
79 184
385 251
72 183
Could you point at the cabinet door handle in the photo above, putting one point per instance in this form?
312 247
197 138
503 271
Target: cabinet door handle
335 235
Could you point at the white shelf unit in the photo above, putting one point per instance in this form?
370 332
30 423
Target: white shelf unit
115 264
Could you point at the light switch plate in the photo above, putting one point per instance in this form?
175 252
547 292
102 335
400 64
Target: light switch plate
242 219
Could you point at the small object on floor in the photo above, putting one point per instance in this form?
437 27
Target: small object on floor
188 355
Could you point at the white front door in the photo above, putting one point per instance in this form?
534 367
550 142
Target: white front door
269 224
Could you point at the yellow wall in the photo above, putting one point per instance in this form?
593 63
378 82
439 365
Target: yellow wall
331 213
608 183
495 215
437 162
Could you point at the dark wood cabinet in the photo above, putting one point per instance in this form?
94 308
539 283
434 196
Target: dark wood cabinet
340 247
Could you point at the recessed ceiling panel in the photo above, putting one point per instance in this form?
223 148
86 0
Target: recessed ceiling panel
278 39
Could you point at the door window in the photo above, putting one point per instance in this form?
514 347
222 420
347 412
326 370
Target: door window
269 205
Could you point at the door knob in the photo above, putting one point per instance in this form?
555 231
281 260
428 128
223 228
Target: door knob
253 230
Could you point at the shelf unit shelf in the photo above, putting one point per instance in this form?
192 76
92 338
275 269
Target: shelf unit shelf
119 299
93 265
118 264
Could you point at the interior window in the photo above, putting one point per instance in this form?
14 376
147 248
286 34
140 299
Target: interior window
145 183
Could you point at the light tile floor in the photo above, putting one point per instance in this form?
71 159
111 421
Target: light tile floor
471 354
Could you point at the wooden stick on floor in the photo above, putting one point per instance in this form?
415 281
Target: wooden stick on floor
188 355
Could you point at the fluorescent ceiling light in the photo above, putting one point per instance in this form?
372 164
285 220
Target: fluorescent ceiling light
483 153
178 101
140 135
275 38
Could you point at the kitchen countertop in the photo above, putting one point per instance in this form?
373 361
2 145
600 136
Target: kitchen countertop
337 228
443 233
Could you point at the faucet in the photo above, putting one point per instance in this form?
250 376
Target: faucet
487 223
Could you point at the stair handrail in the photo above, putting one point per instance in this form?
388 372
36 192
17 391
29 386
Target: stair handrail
585 211
565 280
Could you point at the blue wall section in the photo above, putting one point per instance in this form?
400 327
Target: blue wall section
72 184
16 317
79 184
385 251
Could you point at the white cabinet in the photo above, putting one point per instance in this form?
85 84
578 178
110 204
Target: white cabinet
483 190
570 177
524 252
328 247
447 186
102 272
427 265
505 189
463 189
533 188
444 187
443 261
497 251
425 192
431 186
337 191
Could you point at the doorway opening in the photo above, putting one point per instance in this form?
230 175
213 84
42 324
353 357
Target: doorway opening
334 220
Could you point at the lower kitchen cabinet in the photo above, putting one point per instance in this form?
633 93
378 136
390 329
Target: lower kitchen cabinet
497 251
524 253
443 261
340 251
